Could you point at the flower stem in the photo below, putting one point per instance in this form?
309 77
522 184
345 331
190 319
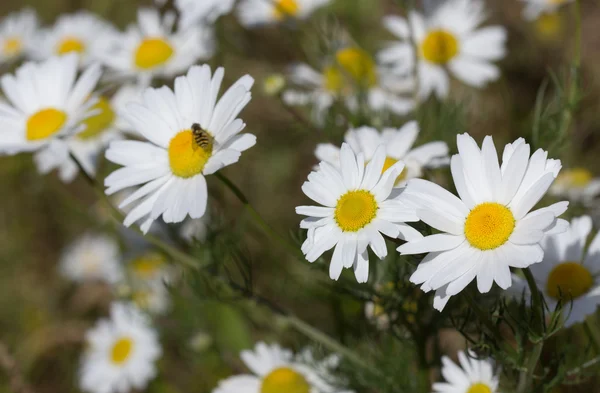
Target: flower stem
483 317
592 331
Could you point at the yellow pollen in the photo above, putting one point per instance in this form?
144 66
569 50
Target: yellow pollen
358 65
569 280
147 266
186 157
439 47
575 177
355 210
12 47
44 124
121 350
549 26
70 44
489 225
285 9
334 80
100 122
479 388
284 380
153 52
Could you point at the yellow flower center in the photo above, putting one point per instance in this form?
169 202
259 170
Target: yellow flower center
570 280
141 299
439 47
147 266
334 80
121 350
549 25
479 388
70 44
389 162
359 65
576 177
285 9
284 380
489 225
100 122
355 210
153 52
12 47
44 124
186 157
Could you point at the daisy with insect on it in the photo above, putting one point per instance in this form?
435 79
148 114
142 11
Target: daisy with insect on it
357 208
121 352
82 33
17 33
351 72
398 147
194 12
569 273
577 185
153 48
447 42
189 134
471 375
253 13
490 227
45 103
87 146
92 257
275 370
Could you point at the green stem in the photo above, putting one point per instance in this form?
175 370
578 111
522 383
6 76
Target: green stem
483 317
592 331
533 288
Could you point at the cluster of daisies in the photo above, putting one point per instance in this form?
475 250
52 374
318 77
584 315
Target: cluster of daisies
167 141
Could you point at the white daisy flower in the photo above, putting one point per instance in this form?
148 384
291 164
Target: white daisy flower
121 352
152 297
398 144
150 267
195 230
536 8
473 375
352 71
447 41
262 12
491 227
570 272
576 184
92 257
189 135
201 12
45 102
275 370
82 33
17 32
86 146
151 48
357 209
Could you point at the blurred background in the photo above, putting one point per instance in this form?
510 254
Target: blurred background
43 317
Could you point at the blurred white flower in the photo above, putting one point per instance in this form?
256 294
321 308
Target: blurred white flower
449 41
195 229
92 257
536 8
150 267
121 352
357 210
473 375
569 272
45 101
576 184
152 49
202 12
17 33
190 134
353 71
398 146
82 33
491 227
262 12
276 370
152 297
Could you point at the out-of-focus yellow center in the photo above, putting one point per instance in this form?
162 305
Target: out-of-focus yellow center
186 157
284 380
439 46
121 350
12 47
479 388
148 266
70 44
549 25
389 162
489 225
359 65
334 80
569 280
355 210
575 178
100 122
44 123
283 9
153 52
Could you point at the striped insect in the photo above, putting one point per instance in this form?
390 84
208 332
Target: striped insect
202 137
